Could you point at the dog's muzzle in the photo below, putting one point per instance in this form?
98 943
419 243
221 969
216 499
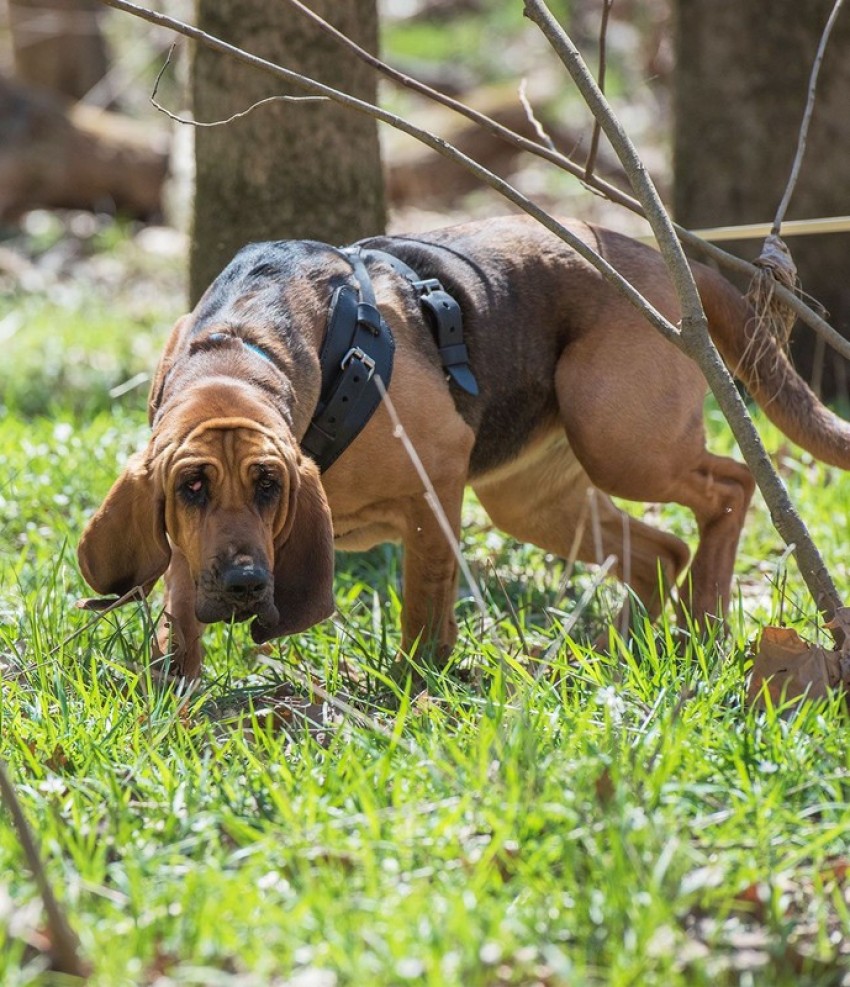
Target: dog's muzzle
236 592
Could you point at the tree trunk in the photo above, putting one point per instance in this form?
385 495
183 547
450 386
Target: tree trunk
741 87
58 45
302 170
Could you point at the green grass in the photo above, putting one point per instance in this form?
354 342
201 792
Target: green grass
617 820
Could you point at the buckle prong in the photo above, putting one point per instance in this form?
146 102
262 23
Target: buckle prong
355 353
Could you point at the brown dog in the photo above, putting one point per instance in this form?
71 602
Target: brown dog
575 391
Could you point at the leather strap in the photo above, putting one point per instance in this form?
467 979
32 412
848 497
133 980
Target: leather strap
358 347
443 314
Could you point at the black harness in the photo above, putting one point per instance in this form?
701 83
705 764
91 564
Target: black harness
359 347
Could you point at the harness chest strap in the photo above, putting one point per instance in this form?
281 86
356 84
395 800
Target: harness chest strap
359 346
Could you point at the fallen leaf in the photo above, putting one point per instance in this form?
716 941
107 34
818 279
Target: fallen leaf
790 669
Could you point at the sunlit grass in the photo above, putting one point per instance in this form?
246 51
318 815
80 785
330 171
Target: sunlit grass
599 820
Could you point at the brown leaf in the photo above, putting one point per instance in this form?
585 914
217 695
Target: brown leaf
58 760
792 669
841 621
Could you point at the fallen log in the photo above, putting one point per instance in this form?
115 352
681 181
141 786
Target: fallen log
55 154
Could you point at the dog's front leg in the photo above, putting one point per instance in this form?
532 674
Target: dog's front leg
179 632
431 574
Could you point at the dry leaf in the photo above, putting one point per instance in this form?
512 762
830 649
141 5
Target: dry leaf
792 669
841 621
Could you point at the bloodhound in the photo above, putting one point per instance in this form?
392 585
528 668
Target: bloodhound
513 366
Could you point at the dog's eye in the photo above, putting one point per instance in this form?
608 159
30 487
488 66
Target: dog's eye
194 490
266 488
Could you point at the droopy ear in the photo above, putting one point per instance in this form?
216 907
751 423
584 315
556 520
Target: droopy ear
166 361
304 562
124 544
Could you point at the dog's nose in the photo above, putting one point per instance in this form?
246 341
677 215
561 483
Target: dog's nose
245 580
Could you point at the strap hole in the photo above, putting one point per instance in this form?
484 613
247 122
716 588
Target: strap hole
344 399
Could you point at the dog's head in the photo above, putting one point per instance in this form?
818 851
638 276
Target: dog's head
224 482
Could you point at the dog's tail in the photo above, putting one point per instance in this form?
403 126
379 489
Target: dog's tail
760 362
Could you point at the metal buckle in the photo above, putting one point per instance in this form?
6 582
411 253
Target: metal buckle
355 353
426 286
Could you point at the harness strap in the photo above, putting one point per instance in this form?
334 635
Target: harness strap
358 346
444 315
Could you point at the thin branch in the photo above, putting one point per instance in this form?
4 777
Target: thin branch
575 615
597 127
64 944
230 119
532 119
807 119
433 500
642 185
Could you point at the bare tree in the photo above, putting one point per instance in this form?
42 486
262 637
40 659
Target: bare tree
306 169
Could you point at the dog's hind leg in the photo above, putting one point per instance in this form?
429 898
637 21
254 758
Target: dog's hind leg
718 491
548 499
632 407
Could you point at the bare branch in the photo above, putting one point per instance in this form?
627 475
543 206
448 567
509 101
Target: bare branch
644 189
532 119
65 946
807 119
616 195
236 116
597 127
432 498
695 339
653 316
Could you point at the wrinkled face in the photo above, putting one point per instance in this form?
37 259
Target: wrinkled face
227 500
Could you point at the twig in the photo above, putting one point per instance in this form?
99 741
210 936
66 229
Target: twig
597 127
64 944
393 737
432 498
599 576
807 119
532 119
656 214
101 608
236 116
